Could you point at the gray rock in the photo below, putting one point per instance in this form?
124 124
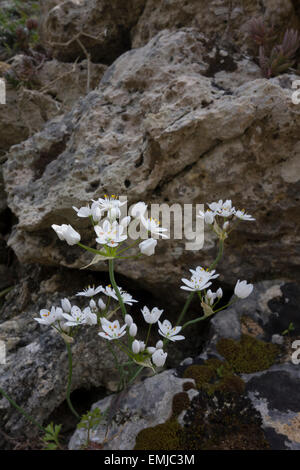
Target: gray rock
219 18
136 410
102 26
158 129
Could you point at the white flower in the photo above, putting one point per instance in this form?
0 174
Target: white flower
138 210
208 216
94 211
242 289
127 298
77 317
166 330
159 358
132 329
128 319
147 247
47 316
90 317
151 349
110 234
152 225
225 225
93 305
67 233
223 209
90 291
101 304
159 344
111 205
151 316
243 216
142 346
112 330
136 346
66 305
200 279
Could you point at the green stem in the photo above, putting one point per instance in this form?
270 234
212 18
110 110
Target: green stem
91 250
148 334
23 412
6 291
118 366
114 284
70 381
135 375
128 247
219 256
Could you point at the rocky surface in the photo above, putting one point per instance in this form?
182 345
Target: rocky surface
36 369
181 115
220 20
101 26
41 91
261 411
134 412
163 128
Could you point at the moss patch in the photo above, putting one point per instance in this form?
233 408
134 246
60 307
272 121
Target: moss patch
222 423
249 354
215 375
164 436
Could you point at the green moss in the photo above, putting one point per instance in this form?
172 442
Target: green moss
249 354
203 375
164 436
215 375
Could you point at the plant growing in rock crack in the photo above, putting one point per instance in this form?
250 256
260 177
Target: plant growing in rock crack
274 55
18 29
89 422
111 231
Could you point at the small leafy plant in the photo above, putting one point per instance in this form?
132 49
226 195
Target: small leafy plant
89 422
274 56
289 329
51 438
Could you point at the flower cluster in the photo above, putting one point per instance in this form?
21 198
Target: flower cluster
66 317
221 214
111 230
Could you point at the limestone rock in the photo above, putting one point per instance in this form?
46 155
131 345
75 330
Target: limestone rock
51 89
137 412
220 19
102 26
264 416
159 129
35 371
273 392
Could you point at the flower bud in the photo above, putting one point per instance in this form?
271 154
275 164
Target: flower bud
133 329
128 320
159 344
93 304
219 293
136 346
66 305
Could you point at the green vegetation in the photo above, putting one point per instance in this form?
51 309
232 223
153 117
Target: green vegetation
248 355
18 26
